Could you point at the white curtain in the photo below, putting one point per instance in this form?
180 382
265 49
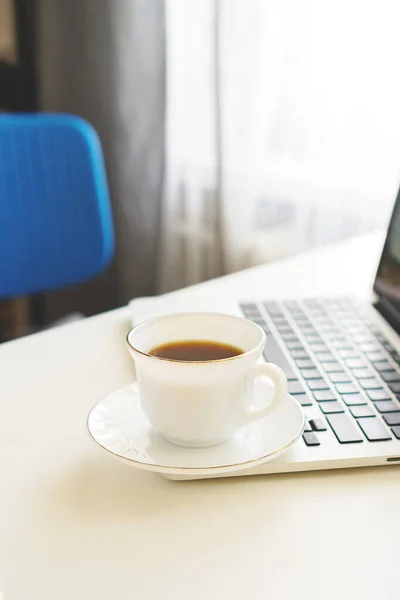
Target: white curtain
283 129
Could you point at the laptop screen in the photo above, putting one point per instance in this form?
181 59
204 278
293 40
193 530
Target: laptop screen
387 282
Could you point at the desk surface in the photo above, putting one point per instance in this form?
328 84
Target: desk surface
76 524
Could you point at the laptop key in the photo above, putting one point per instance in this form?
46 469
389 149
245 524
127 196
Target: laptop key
389 376
393 352
331 407
313 339
288 336
379 336
390 348
346 388
279 321
300 317
324 395
362 373
332 367
339 377
290 375
325 357
370 384
321 317
363 411
298 314
362 338
292 305
392 418
377 395
272 308
319 314
375 356
348 353
294 345
304 363
339 341
387 406
249 308
355 363
331 332
310 374
253 316
395 387
307 328
374 430
356 328
369 347
319 348
317 384
395 430
303 399
299 354
318 424
311 439
313 302
344 429
248 305
342 345
384 365
354 399
295 387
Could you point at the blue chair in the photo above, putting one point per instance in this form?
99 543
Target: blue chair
56 224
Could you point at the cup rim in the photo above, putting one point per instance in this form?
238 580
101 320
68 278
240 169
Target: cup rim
196 362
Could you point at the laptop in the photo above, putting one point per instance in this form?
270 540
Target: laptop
342 361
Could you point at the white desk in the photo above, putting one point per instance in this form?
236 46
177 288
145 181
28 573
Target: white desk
75 524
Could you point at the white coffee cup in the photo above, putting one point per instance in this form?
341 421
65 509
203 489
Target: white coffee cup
200 404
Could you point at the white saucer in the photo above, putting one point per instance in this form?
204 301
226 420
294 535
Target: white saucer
118 425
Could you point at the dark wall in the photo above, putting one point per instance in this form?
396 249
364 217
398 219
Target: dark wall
105 61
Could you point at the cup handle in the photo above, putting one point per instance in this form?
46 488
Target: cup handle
278 378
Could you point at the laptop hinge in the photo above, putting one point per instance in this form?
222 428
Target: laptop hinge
388 313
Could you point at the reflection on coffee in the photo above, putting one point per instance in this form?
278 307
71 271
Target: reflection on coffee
195 351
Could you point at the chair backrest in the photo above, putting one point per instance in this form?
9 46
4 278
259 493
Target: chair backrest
55 216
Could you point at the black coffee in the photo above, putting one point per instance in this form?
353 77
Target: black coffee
195 351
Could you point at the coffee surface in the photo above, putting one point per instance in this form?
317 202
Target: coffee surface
195 351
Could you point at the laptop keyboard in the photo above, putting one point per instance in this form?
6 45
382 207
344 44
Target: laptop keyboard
335 358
